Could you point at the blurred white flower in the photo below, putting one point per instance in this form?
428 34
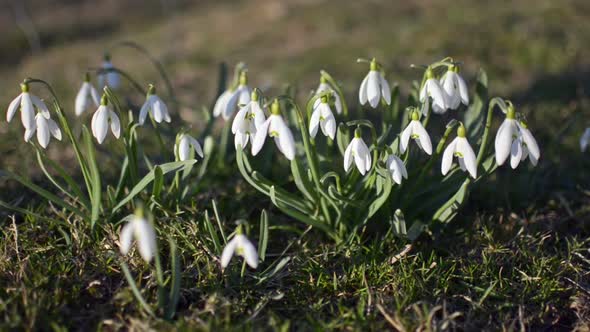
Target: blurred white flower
275 127
585 140
241 246
323 118
155 106
101 120
86 97
433 90
239 97
396 168
455 87
185 143
247 121
358 152
461 149
416 131
524 146
323 87
107 76
221 102
26 103
374 87
145 235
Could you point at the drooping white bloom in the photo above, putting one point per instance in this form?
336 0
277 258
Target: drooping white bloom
45 128
26 103
145 235
323 118
155 107
247 121
524 146
374 87
101 119
86 97
358 152
455 88
221 102
241 246
416 131
585 140
323 87
238 98
433 90
507 134
396 168
185 143
275 127
107 77
461 149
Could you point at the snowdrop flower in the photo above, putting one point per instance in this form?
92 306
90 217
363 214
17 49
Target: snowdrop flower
524 146
101 119
323 118
461 149
239 97
107 77
221 102
396 168
508 133
323 87
85 96
241 246
45 128
358 152
432 89
184 145
26 103
455 88
275 127
585 140
374 87
155 106
143 232
416 131
247 121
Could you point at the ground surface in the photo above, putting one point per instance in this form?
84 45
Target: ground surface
518 257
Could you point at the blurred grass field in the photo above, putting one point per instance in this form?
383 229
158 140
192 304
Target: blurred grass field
519 262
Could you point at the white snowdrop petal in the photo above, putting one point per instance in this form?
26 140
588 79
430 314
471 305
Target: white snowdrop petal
101 124
373 90
43 134
363 90
359 155
530 142
465 149
115 124
405 138
248 251
437 93
260 137
146 239
82 99
54 129
330 126
27 112
314 122
228 252
463 91
29 133
503 140
196 146
183 148
241 140
447 158
143 112
40 106
385 89
239 122
515 153
348 156
258 114
287 143
126 237
220 103
585 140
13 107
423 137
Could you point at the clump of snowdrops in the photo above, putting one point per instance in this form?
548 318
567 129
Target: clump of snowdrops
406 165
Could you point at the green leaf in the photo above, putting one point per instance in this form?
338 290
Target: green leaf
263 238
143 183
176 280
302 180
342 137
136 290
95 197
158 182
212 233
475 114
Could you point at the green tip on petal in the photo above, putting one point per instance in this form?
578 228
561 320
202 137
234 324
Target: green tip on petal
24 87
374 64
254 95
275 107
358 132
151 90
461 132
243 78
104 100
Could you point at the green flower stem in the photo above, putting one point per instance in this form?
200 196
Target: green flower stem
482 148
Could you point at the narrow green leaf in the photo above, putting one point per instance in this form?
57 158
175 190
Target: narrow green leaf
136 290
263 238
95 197
176 280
